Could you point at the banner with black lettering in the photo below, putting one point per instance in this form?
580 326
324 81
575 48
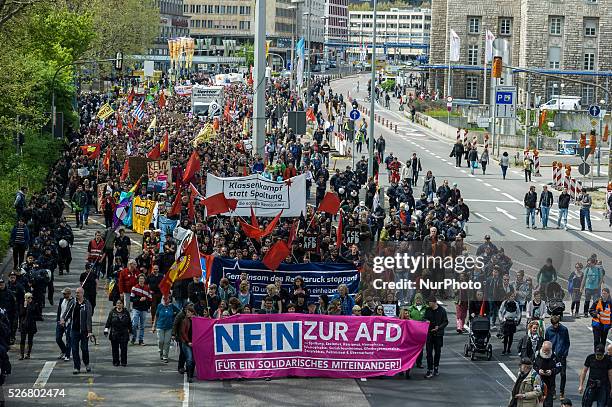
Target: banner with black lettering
265 196
319 278
142 213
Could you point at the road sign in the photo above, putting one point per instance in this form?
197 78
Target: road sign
354 114
583 152
584 169
449 99
505 102
594 110
449 106
594 122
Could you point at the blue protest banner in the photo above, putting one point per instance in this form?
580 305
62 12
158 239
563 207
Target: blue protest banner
319 278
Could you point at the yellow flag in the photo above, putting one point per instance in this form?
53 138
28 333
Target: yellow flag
105 111
206 134
153 124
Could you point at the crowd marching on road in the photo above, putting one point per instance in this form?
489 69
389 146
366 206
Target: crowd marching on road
415 207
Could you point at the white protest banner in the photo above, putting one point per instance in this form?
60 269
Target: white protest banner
266 197
390 310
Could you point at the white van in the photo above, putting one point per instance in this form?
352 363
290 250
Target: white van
562 103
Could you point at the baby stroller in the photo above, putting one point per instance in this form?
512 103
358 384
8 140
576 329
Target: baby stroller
478 340
554 295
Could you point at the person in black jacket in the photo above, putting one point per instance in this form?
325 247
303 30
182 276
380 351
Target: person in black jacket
531 343
531 201
120 325
457 152
436 315
194 288
18 291
547 366
29 314
63 330
563 202
546 201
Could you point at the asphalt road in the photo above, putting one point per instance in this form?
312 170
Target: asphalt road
497 210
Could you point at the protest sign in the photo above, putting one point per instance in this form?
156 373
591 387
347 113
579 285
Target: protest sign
266 197
320 278
105 111
159 174
100 195
305 345
142 213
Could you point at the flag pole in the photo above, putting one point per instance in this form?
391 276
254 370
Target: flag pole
450 48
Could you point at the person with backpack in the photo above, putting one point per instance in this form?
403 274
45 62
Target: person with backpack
548 366
599 369
527 389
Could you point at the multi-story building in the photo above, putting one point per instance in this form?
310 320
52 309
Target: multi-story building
219 20
565 38
336 27
172 24
402 34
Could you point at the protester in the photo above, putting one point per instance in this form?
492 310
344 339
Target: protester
62 330
28 317
78 316
527 388
599 369
141 298
558 335
164 318
548 366
118 328
436 315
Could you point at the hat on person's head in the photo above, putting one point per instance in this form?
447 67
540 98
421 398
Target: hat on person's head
526 361
600 349
12 273
487 237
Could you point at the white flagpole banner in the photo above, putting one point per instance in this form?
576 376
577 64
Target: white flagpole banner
455 46
267 197
489 38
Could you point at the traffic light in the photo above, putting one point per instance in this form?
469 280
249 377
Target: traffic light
582 140
593 140
496 67
355 104
119 61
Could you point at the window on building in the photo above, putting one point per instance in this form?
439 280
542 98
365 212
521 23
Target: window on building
590 27
553 89
474 25
554 57
588 95
198 9
471 87
589 61
505 26
472 58
555 25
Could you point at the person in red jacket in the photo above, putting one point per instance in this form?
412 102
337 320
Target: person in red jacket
128 278
289 172
95 252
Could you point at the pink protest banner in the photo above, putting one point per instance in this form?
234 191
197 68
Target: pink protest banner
307 345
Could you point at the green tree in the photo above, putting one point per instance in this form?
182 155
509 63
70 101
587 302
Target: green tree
248 52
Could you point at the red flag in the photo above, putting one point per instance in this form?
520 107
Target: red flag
310 116
119 122
275 256
92 151
254 219
193 166
330 203
106 159
244 171
193 194
154 154
126 170
131 95
176 205
293 232
226 112
217 204
256 233
482 308
186 266
162 100
164 146
339 232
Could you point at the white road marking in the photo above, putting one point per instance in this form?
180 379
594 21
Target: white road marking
513 199
496 189
450 163
485 200
482 217
444 160
437 156
507 370
573 254
505 212
363 379
471 175
523 235
44 374
479 180
516 172
487 185
185 391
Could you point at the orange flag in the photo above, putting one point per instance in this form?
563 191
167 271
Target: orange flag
164 146
126 170
162 100
186 266
154 154
106 159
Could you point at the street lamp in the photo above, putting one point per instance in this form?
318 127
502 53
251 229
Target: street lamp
372 98
308 14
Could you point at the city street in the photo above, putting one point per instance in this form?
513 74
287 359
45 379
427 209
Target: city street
496 208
